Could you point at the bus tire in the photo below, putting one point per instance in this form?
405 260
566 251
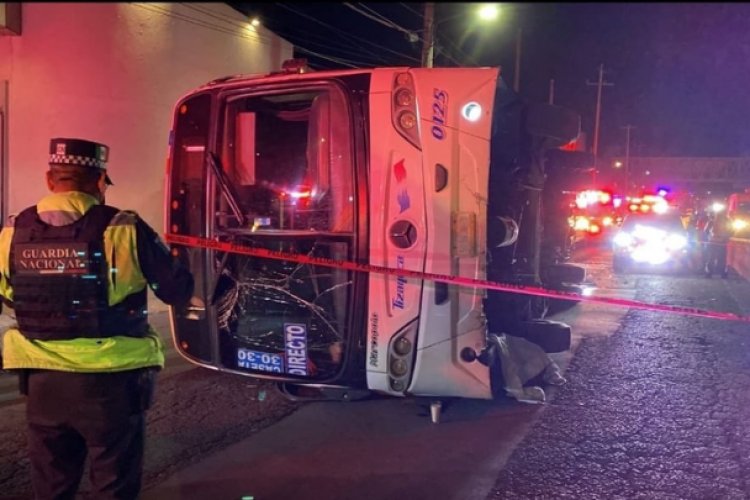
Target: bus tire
552 336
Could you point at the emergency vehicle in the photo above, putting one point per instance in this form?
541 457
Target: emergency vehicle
595 212
738 212
435 170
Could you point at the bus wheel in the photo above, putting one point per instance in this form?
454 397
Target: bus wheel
552 336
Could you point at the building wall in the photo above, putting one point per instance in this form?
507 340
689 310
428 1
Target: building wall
112 72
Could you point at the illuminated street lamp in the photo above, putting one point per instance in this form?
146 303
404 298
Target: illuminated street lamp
488 12
618 164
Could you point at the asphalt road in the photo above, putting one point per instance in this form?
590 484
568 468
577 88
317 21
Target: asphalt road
655 407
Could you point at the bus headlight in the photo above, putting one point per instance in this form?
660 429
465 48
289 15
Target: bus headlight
401 354
404 97
399 367
402 346
407 120
404 109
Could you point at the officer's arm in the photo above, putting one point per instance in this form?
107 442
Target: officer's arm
170 281
6 291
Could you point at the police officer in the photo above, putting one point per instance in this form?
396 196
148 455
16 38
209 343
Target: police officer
718 232
75 271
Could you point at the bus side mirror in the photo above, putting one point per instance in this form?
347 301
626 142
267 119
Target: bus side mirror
556 124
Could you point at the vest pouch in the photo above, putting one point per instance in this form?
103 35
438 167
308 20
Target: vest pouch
59 289
59 276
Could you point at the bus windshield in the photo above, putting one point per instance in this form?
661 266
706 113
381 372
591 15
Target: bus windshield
287 158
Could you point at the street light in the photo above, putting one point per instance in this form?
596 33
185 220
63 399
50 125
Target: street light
488 12
618 164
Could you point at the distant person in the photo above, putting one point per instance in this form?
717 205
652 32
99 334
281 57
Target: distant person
718 231
76 271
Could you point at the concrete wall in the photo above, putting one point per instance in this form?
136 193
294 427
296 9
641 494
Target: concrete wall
112 72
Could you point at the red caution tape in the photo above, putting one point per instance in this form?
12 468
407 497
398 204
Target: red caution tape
192 241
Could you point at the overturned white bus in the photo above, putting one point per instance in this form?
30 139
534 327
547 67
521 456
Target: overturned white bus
431 170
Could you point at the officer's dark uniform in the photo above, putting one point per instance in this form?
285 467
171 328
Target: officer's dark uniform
718 233
75 271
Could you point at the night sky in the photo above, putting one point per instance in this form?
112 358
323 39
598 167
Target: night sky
681 72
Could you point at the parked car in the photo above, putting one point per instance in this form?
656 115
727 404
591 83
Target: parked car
651 241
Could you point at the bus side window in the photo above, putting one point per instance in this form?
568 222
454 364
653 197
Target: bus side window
329 168
319 144
244 149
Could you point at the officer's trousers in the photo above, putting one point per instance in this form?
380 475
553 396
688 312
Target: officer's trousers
75 415
716 258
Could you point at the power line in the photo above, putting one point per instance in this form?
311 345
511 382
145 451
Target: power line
375 60
201 23
215 15
347 35
379 18
460 52
228 31
343 62
419 14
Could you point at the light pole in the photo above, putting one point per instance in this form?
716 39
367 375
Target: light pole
428 46
627 128
517 70
599 86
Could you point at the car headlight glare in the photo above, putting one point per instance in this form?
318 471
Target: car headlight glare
676 242
623 239
581 223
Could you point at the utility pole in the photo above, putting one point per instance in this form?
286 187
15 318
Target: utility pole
627 128
599 86
517 70
552 91
428 47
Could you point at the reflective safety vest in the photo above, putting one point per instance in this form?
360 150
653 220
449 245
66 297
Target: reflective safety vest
125 292
59 276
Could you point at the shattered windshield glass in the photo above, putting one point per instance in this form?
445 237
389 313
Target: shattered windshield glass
296 195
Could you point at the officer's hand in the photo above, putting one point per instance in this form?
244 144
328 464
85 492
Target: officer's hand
194 307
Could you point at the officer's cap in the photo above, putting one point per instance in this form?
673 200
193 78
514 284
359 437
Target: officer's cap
65 151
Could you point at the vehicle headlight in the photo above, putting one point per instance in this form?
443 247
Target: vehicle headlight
581 223
676 242
739 224
623 239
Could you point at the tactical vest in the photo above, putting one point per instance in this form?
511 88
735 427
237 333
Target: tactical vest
59 276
